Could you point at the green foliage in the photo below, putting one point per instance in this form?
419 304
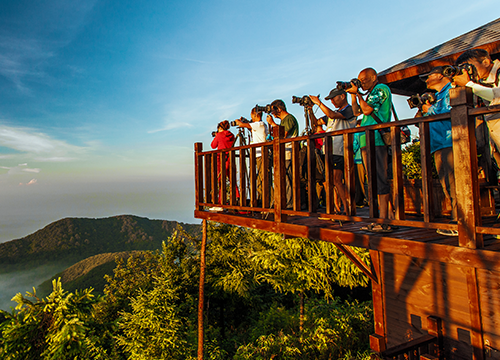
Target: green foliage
411 160
333 331
58 327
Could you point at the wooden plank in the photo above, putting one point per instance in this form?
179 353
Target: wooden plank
371 173
425 159
378 294
465 162
476 329
397 175
377 343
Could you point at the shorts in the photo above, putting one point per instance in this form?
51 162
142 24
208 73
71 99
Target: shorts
337 162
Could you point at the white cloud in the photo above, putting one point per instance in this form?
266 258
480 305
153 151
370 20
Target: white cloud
29 141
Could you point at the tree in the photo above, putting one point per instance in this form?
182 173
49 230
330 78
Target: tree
58 327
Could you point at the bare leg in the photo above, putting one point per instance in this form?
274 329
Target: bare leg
339 184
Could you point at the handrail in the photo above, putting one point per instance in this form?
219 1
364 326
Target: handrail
462 115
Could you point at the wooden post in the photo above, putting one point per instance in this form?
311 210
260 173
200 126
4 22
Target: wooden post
243 171
208 178
201 295
198 176
266 175
378 301
215 178
476 326
465 163
279 173
398 198
371 172
296 176
232 177
349 175
425 161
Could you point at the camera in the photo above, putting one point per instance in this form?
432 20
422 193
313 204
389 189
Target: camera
344 85
452 70
419 100
214 133
302 101
266 109
242 119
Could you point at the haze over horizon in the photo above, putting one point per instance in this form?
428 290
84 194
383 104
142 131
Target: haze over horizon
101 101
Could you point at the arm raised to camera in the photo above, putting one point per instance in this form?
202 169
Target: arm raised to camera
270 121
332 114
242 124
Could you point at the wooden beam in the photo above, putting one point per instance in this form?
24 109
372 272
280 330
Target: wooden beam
378 299
349 252
279 173
478 258
349 175
198 175
426 163
371 172
476 328
397 175
465 163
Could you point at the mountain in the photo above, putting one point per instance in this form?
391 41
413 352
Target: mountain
86 273
70 240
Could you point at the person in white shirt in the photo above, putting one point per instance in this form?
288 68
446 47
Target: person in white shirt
260 132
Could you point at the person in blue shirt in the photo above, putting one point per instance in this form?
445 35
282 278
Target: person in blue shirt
441 141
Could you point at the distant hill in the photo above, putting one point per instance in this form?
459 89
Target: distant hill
70 240
86 273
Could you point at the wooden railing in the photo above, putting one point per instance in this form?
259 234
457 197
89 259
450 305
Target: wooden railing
243 174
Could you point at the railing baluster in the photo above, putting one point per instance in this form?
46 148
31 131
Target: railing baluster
266 176
425 159
208 178
350 181
397 174
296 175
198 168
311 176
279 173
370 163
243 167
253 178
330 206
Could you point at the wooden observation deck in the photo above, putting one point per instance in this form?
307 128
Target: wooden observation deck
433 296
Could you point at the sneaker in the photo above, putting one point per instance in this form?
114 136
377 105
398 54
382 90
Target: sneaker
216 209
447 232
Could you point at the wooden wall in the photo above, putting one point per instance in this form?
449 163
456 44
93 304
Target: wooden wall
414 289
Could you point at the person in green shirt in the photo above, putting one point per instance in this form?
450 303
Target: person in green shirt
289 122
378 103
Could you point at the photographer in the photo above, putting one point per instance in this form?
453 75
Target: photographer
289 122
341 119
440 137
488 89
378 105
260 132
224 139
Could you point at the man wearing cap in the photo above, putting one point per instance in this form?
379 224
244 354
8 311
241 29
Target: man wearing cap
340 119
440 137
378 105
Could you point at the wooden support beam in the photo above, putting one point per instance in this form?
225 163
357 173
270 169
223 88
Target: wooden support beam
349 252
377 343
215 178
465 163
378 297
201 292
208 178
232 177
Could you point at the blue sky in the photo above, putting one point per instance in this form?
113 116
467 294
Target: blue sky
102 100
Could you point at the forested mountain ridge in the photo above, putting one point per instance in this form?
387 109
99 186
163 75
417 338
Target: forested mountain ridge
73 239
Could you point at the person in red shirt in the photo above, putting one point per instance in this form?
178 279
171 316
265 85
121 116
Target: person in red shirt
224 139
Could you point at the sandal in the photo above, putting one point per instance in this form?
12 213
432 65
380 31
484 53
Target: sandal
377 228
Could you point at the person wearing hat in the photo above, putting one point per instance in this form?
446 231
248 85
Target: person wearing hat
376 108
440 137
340 119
